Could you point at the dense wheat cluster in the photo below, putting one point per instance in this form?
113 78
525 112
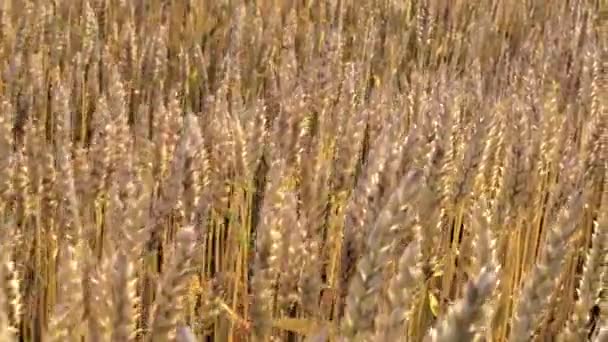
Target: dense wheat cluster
303 170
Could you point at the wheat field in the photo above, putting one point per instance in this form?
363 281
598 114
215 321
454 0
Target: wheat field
303 170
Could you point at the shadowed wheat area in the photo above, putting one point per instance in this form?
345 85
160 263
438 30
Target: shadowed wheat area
303 170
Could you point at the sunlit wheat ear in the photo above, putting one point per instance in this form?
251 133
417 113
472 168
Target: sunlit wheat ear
349 132
401 291
101 149
96 297
314 199
66 319
538 288
484 241
239 149
64 158
136 229
172 287
471 160
12 292
592 147
361 300
268 249
432 161
359 208
291 258
602 301
124 298
121 133
7 329
6 146
170 187
310 282
91 30
484 255
196 171
458 324
590 285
